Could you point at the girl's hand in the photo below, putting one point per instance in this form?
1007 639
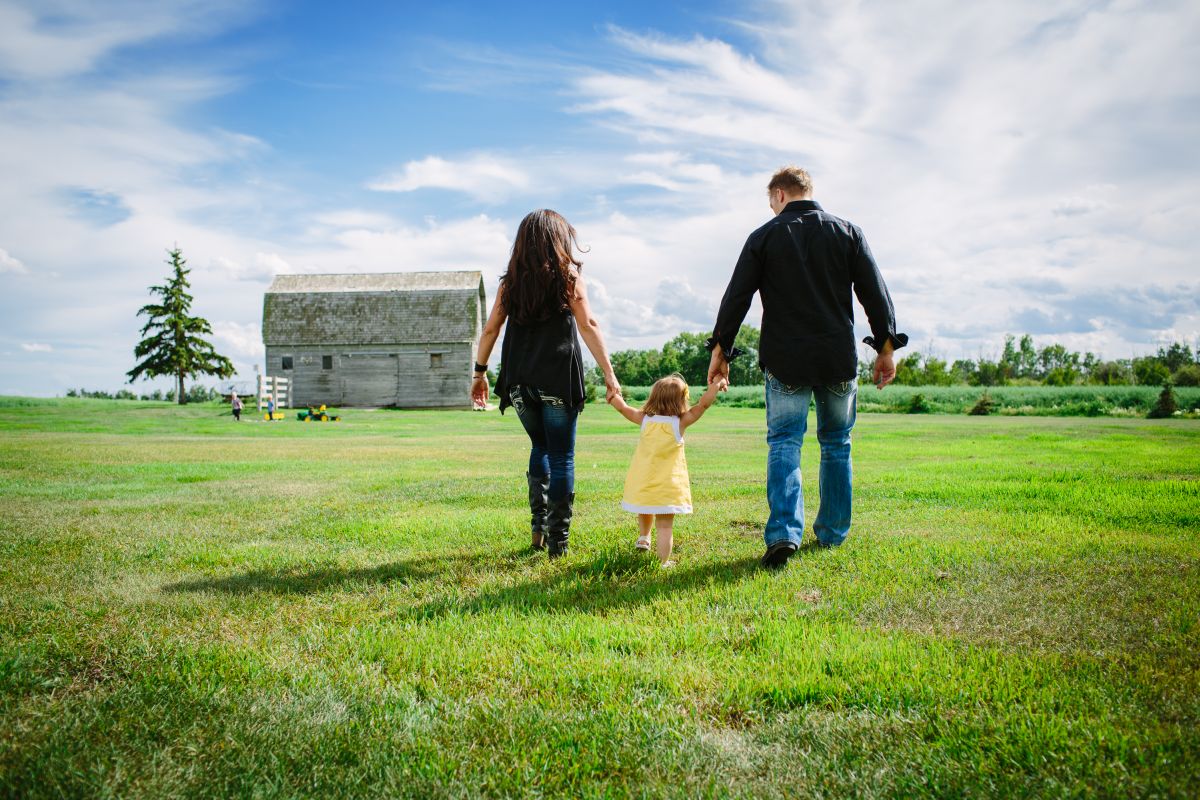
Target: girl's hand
722 384
479 391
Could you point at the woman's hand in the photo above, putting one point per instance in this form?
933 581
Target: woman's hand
479 391
612 388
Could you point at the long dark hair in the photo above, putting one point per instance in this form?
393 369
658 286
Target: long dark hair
540 281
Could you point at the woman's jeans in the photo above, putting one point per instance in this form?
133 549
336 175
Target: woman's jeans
550 423
787 420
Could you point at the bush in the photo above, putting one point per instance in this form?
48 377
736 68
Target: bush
1166 405
1187 376
983 407
1150 371
1087 408
918 404
201 394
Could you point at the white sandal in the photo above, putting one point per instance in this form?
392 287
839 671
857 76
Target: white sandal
643 542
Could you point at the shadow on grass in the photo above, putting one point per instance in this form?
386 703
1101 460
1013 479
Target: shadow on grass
302 580
607 580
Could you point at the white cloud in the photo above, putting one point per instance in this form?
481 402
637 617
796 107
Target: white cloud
483 177
623 319
238 341
676 300
479 242
672 171
959 148
271 264
36 347
10 264
53 39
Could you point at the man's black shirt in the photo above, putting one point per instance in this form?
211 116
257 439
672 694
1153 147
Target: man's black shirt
804 264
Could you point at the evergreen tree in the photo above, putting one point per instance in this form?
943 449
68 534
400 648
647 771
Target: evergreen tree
172 343
1166 405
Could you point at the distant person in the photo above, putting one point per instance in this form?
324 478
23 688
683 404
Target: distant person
657 486
236 403
543 297
807 266
270 408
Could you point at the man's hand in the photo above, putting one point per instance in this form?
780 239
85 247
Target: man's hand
479 391
718 367
884 371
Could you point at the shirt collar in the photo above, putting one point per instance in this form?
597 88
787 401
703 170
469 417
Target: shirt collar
799 206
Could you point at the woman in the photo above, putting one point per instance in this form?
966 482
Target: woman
544 299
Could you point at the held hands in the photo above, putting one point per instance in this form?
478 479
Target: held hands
612 388
718 367
714 388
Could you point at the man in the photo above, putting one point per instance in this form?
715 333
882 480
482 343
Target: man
805 263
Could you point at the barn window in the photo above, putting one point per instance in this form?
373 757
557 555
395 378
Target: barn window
326 362
287 362
435 360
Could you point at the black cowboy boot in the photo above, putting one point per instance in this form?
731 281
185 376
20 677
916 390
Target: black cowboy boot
538 506
558 525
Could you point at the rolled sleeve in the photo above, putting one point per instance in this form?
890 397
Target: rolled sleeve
898 340
730 352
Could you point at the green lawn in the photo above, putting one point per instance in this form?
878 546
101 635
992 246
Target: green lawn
192 607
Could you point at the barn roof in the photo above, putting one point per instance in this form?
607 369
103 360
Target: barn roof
468 280
373 308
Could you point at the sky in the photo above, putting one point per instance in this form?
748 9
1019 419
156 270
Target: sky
1017 167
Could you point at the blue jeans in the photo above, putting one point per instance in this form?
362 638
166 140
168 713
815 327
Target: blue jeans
787 420
550 423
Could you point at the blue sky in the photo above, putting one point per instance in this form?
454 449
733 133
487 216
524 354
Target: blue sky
1017 167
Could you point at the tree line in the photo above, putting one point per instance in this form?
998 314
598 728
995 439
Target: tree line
686 355
194 394
1021 363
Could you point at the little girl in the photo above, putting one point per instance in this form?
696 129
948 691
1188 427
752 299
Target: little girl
657 486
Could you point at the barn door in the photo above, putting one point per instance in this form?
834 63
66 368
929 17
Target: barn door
370 379
412 375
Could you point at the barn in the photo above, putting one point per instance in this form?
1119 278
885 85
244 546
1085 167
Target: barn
404 339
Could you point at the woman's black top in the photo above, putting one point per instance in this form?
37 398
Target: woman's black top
542 355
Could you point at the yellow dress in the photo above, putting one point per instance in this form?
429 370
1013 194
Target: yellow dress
657 481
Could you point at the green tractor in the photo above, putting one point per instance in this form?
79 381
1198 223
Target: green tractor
318 414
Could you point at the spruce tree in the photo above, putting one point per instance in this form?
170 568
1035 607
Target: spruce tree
1166 405
172 343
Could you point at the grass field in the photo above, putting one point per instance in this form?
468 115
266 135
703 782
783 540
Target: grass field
192 607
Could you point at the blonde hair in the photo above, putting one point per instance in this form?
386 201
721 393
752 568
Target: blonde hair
793 180
669 397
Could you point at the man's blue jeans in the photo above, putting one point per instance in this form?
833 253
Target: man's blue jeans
787 420
550 423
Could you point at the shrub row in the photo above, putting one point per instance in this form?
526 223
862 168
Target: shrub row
1064 401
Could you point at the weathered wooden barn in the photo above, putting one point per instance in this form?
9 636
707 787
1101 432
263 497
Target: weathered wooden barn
404 339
